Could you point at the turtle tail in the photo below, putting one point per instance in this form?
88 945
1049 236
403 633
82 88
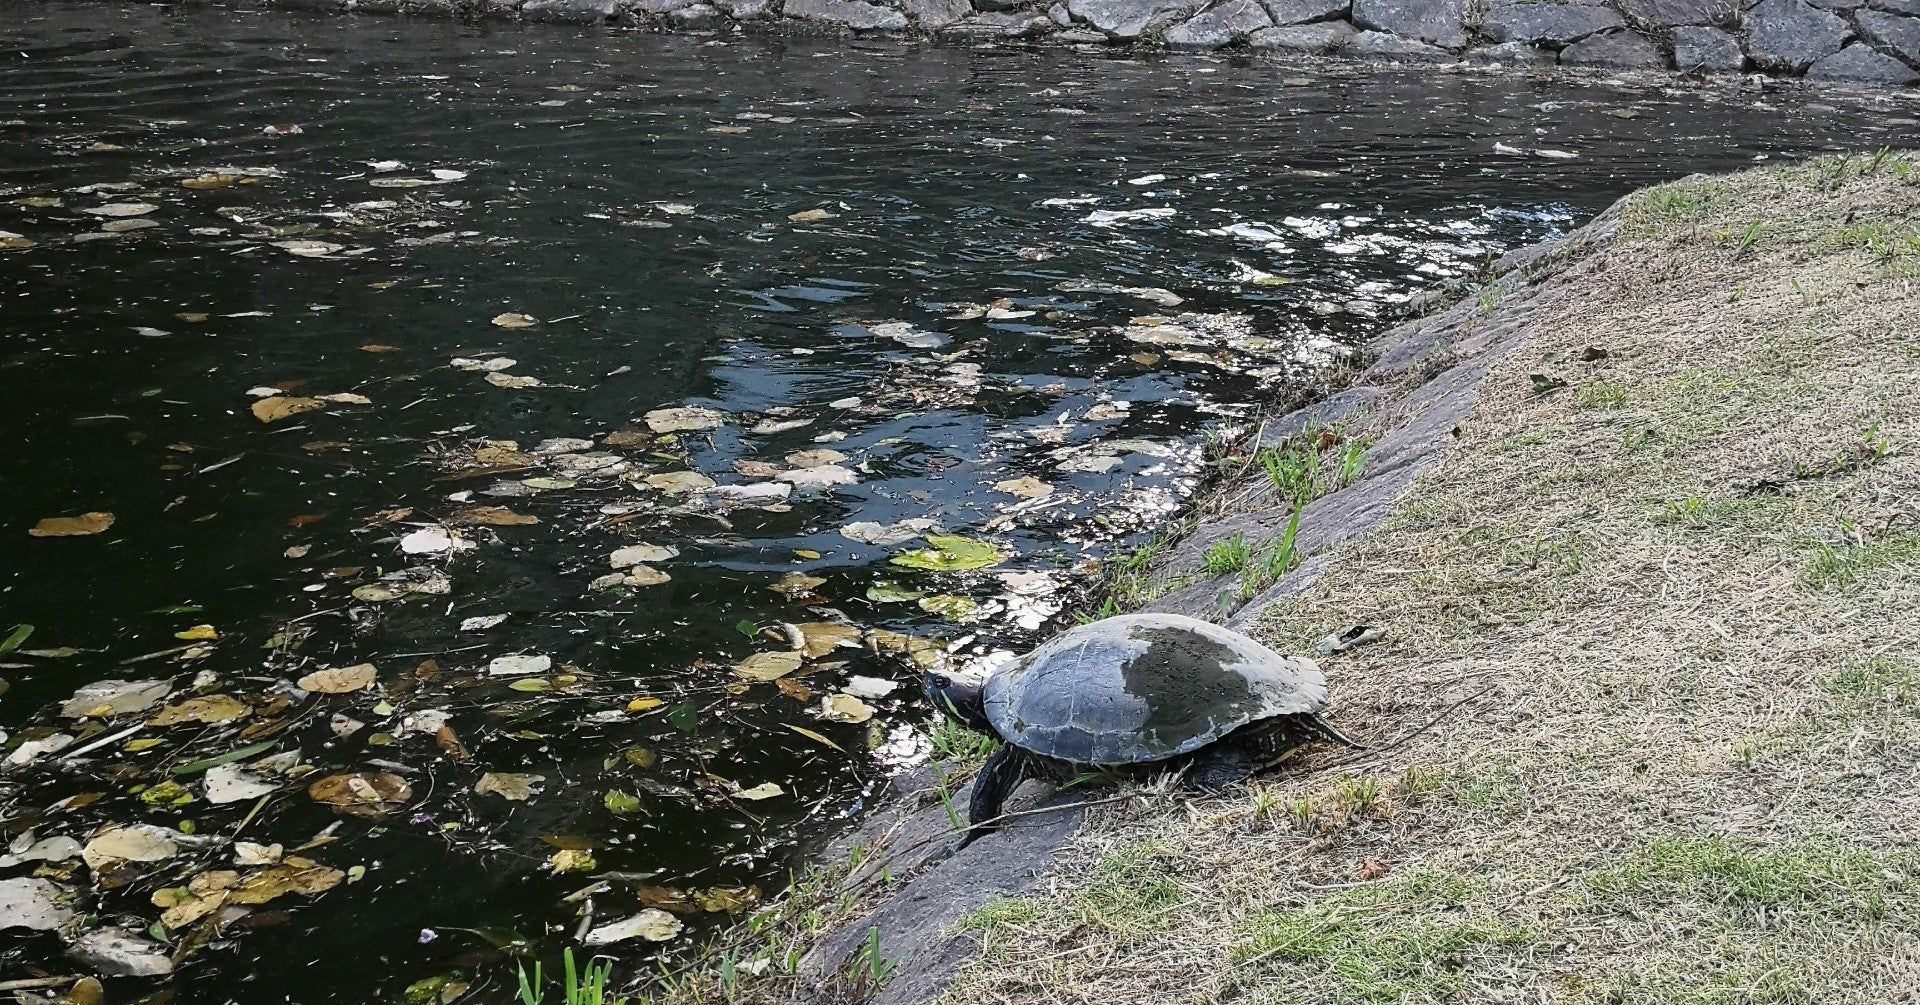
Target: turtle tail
1324 729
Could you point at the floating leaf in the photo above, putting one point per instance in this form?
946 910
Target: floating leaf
644 704
816 737
205 763
114 697
822 637
763 667
814 215
507 666
515 320
651 924
34 904
640 757
951 607
621 803
950 553
198 633
15 636
491 516
361 793
890 593
795 585
228 783
209 710
683 419
572 860
845 708
72 526
293 875
679 482
1026 487
508 785
727 899
764 790
282 406
341 681
131 843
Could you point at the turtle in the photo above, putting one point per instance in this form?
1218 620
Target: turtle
1136 691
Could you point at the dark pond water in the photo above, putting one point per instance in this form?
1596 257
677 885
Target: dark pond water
998 294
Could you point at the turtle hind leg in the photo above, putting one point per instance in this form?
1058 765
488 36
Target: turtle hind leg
997 779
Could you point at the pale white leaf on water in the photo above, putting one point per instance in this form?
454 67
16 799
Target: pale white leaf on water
121 209
105 698
129 843
29 751
112 952
512 381
683 419
888 534
822 476
492 364
482 623
513 666
428 541
309 249
679 482
246 853
230 783
652 924
870 687
640 554
27 848
33 904
764 790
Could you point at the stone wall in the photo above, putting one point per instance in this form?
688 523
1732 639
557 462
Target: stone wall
1849 41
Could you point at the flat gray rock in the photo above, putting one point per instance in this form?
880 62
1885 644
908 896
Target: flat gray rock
1286 12
846 14
1548 23
1899 34
1222 24
1668 13
744 10
1708 50
1383 45
933 15
1512 54
1323 37
1861 63
1911 8
1127 19
1434 22
697 17
1001 24
573 11
1623 48
1791 34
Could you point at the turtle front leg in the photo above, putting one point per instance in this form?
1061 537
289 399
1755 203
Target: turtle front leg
1219 766
1002 774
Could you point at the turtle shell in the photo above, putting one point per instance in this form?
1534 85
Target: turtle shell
1144 687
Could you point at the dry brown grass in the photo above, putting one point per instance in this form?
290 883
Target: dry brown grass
1681 600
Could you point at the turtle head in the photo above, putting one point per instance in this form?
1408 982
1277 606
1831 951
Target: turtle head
963 698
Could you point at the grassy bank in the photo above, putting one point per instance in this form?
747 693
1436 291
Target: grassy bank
1645 704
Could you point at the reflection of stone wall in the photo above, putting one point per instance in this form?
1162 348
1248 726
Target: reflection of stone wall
1870 41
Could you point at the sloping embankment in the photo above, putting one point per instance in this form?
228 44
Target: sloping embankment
1635 532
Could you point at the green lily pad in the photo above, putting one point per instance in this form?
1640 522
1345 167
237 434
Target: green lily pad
950 553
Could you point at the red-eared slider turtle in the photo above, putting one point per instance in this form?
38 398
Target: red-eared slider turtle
1158 690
